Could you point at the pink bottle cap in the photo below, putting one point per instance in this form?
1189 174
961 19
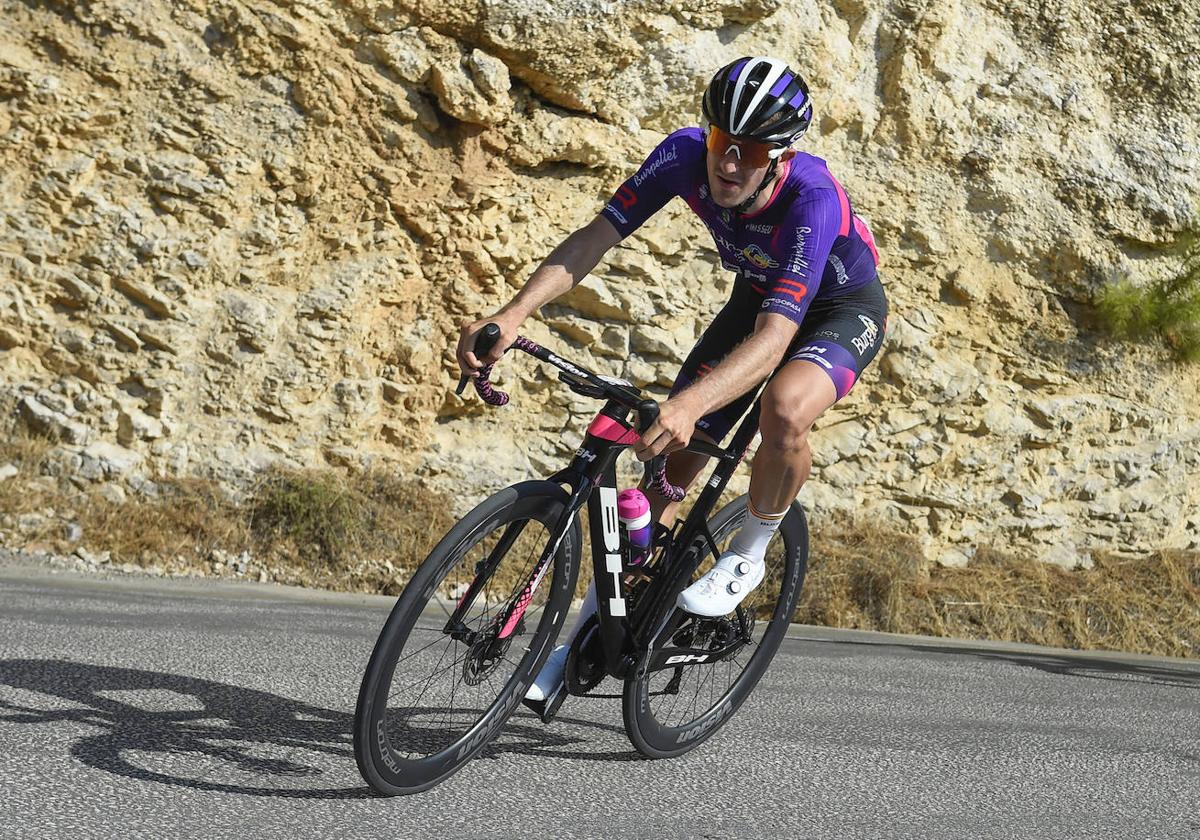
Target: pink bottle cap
634 508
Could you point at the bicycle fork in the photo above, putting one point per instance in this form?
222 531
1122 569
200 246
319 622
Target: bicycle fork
507 622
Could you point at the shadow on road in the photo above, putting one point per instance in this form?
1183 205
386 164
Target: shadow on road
524 734
197 733
207 729
1083 666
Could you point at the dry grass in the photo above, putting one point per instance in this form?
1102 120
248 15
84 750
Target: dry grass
316 528
27 492
878 581
178 530
368 533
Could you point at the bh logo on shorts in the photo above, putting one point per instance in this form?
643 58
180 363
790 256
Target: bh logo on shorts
867 339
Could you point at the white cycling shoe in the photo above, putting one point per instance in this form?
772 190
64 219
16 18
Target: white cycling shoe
723 587
550 676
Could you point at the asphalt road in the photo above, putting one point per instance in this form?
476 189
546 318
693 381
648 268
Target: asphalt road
170 709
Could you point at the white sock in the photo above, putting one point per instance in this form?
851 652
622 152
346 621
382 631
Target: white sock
586 611
552 671
751 539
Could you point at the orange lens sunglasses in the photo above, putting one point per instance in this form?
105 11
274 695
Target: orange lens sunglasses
750 152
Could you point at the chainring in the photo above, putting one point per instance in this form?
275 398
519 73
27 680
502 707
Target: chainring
585 659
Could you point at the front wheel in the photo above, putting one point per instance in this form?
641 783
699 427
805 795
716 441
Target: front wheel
675 709
449 667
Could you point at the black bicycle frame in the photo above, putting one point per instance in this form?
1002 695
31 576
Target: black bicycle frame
592 477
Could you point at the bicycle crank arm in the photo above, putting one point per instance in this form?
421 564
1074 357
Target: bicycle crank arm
676 657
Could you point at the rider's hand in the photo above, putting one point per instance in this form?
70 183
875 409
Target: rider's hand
670 432
467 361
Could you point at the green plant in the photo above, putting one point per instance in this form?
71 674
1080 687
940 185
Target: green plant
1168 310
323 517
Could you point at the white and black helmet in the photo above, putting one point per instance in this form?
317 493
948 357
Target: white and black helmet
761 99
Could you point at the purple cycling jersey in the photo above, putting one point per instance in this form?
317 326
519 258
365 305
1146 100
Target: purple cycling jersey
806 244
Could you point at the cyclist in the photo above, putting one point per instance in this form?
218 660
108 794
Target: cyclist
807 307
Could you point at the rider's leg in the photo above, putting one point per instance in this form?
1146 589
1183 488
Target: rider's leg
797 395
552 672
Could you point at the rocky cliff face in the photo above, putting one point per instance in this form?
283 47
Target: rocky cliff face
234 233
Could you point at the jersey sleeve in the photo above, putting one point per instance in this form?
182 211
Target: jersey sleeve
666 173
812 226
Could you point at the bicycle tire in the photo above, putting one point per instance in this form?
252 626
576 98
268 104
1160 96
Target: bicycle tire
395 754
658 733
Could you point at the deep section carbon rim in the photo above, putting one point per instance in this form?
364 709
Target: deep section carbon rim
669 711
435 694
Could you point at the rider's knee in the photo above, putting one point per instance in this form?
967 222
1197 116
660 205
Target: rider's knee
784 426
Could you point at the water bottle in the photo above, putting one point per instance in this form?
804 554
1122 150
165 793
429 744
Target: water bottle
633 510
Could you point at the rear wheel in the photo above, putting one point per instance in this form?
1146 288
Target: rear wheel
675 709
435 692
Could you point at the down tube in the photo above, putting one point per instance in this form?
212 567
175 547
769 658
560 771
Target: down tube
605 536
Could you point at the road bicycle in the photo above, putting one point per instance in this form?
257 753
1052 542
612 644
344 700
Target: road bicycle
480 616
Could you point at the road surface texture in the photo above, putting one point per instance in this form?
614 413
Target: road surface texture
132 707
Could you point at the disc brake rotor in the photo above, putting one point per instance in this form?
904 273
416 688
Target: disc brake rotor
483 658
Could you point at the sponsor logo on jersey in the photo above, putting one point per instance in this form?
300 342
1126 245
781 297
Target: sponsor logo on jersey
839 268
787 287
815 354
758 257
626 196
867 339
773 303
663 157
616 214
799 263
724 243
761 228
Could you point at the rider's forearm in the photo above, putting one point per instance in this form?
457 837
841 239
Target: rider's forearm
560 272
550 280
745 367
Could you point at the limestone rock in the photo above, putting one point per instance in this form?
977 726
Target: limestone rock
103 460
148 296
47 421
134 425
255 323
10 338
264 241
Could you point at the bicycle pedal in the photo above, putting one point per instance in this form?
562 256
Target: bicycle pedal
548 708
